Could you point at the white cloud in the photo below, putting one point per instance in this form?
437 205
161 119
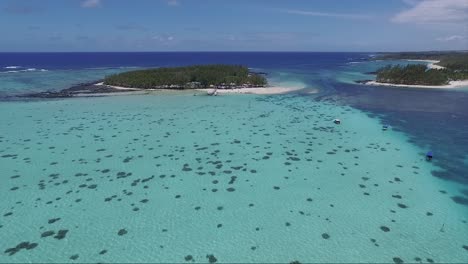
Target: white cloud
90 3
173 2
434 12
452 38
163 38
323 14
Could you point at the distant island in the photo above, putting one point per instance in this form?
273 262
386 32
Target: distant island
444 69
190 77
208 79
416 74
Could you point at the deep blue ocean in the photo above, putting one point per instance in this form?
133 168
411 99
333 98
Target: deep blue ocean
55 61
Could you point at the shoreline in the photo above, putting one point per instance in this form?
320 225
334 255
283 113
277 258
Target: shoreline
452 84
431 64
95 89
256 90
119 87
268 90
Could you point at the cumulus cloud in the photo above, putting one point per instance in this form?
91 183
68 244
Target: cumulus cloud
434 12
90 3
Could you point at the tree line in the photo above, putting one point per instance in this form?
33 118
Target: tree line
452 60
418 74
188 77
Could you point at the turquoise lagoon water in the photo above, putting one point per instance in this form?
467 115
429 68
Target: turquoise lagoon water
241 178
244 178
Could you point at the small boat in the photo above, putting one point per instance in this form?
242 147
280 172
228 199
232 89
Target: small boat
337 121
384 127
429 156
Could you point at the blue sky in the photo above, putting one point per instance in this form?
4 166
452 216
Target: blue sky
233 25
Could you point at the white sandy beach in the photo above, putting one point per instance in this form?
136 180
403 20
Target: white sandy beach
431 64
119 87
453 84
259 90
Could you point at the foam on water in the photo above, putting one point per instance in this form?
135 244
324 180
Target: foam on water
242 178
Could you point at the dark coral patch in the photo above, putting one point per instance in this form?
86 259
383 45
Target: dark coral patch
48 233
460 200
122 232
211 258
404 206
385 229
22 245
53 220
61 234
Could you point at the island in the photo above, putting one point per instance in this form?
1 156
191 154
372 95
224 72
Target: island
210 79
444 70
190 77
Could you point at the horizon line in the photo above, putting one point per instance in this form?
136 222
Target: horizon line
221 51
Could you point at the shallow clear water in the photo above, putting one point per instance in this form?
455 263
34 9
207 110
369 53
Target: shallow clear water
159 178
146 164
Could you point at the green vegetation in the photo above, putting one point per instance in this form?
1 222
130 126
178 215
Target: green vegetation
411 74
453 60
190 77
455 63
